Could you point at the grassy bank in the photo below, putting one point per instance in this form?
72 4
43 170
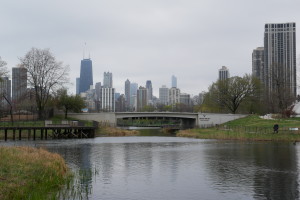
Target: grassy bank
30 173
112 131
249 128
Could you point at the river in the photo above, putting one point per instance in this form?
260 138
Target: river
150 168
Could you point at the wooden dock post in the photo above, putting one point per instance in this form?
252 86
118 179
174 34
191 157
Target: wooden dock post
42 133
14 134
46 136
34 134
5 134
20 134
29 134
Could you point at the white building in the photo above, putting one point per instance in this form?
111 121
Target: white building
108 99
174 96
164 95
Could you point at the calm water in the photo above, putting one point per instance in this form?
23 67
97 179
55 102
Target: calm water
178 168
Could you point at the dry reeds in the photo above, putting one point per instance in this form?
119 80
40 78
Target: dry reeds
30 173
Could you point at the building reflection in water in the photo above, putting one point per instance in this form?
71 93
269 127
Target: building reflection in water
270 169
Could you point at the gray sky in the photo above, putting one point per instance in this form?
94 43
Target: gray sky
144 39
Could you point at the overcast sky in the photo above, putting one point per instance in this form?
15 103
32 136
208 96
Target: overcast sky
144 39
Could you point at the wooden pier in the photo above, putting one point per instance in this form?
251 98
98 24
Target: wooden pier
53 132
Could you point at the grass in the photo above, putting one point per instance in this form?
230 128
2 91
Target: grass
249 128
30 173
112 131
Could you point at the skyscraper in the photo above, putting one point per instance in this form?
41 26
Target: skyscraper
174 96
108 99
174 81
77 85
19 83
149 90
164 95
107 80
258 63
280 57
223 73
86 75
127 93
141 98
133 92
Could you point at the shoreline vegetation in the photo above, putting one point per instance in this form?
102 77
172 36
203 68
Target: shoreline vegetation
251 128
31 173
114 132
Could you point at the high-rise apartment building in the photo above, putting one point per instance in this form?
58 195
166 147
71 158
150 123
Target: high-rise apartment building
98 90
133 92
127 93
223 73
86 75
280 57
174 81
174 96
258 63
19 83
164 95
107 80
141 98
149 90
108 99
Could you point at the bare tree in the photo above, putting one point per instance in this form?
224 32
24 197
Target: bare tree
230 93
45 75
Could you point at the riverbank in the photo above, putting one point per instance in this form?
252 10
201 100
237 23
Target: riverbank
30 173
249 128
113 132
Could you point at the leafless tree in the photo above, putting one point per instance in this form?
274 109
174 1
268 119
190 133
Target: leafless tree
45 75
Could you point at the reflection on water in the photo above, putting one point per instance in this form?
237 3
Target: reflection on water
178 168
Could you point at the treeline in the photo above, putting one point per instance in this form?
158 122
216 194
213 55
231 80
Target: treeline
247 94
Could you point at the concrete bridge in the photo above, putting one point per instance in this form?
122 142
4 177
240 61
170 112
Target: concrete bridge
187 120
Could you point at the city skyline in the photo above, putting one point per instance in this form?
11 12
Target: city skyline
148 41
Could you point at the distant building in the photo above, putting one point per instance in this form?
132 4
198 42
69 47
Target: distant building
86 75
133 93
77 85
141 98
127 93
98 91
174 81
164 95
185 99
107 80
223 73
108 99
120 103
5 90
280 57
174 96
149 90
19 83
258 63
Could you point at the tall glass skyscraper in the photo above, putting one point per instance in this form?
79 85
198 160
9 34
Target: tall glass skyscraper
149 90
86 75
280 57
